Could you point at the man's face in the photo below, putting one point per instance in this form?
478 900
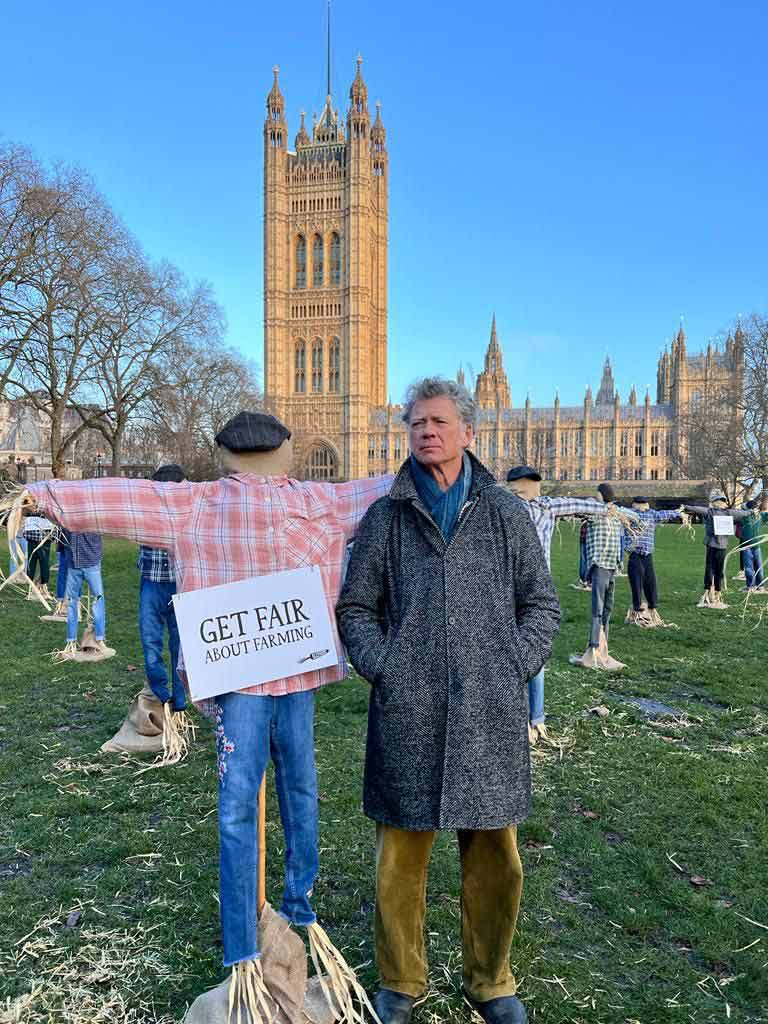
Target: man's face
526 488
436 433
641 506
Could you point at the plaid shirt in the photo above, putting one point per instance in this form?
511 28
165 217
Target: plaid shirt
226 530
155 565
604 540
36 529
544 511
650 519
85 548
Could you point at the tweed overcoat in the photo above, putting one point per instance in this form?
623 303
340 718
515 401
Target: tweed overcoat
448 635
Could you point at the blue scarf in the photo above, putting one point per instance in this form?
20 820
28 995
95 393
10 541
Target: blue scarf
443 506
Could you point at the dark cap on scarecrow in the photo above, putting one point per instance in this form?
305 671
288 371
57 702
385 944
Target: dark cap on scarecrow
607 492
252 432
523 473
170 474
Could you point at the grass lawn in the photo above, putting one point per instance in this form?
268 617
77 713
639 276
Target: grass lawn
645 855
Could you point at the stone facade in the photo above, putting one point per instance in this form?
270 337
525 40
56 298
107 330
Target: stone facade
325 331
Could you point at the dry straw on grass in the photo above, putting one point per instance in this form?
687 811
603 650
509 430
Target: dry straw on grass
101 977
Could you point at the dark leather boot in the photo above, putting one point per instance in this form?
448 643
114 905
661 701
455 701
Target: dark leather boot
393 1007
504 1010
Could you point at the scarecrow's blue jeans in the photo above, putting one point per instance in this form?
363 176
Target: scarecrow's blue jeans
251 730
61 579
75 578
753 567
583 567
13 564
536 699
156 614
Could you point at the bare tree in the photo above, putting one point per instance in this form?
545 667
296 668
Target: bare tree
207 384
753 336
57 308
152 318
28 205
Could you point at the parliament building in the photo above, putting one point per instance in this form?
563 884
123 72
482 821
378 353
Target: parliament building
325 331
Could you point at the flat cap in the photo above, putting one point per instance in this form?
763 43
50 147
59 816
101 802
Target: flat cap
252 432
607 492
523 473
637 500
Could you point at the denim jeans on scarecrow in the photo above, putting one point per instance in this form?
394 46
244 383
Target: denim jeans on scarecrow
536 699
75 578
249 731
156 614
753 567
61 578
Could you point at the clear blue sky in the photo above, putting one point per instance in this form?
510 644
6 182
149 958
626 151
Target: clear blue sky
590 171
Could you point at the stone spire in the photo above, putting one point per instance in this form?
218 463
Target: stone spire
302 138
492 389
607 385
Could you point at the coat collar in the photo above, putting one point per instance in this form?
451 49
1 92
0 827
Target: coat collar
404 489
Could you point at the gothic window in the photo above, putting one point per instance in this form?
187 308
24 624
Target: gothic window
301 262
300 367
593 474
398 448
609 445
335 259
317 365
577 474
638 474
594 442
655 443
563 474
507 446
334 366
654 474
318 264
577 444
322 463
563 446
492 447
638 443
384 450
668 473
668 446
371 446
624 443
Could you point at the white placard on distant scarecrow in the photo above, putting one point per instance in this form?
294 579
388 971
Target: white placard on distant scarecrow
253 631
722 526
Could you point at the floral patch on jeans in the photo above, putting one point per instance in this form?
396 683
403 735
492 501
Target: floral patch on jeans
224 746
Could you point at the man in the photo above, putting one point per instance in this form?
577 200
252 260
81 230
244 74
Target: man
252 522
715 517
642 573
84 566
525 482
448 610
604 560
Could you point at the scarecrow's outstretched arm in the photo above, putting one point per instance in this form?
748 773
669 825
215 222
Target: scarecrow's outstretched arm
140 510
587 507
355 497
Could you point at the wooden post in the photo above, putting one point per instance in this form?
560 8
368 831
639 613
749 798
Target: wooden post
262 898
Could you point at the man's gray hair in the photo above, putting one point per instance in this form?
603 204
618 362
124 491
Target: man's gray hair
440 387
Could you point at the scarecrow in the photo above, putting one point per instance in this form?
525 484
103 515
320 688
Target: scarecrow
642 573
718 521
525 482
254 521
143 730
604 553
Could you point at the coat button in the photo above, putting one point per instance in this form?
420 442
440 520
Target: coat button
451 620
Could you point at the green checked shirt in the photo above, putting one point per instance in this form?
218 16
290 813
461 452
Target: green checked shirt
603 541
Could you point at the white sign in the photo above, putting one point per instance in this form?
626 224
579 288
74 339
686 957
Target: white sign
247 633
722 526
